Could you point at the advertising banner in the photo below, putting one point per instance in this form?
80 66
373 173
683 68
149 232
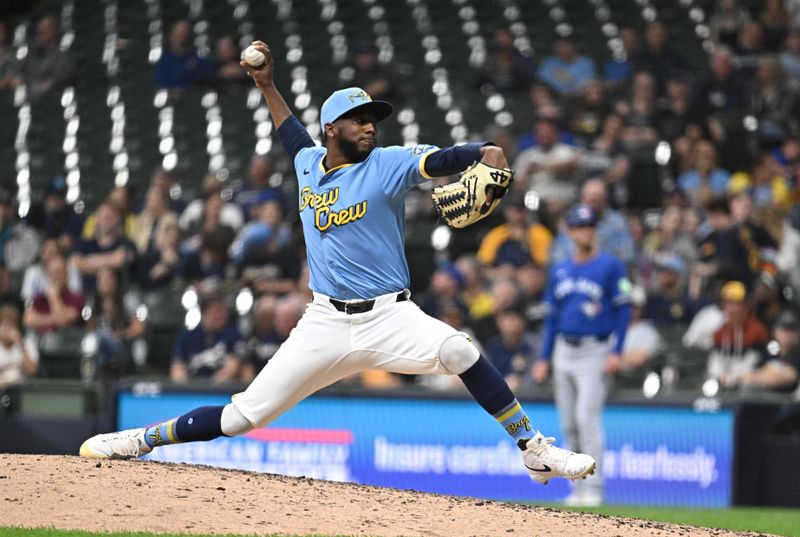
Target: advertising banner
654 455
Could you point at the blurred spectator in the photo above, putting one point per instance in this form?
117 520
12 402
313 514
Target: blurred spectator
720 93
209 213
657 57
506 69
273 320
229 76
787 157
512 351
769 189
165 182
262 251
705 180
258 176
46 67
35 280
733 248
761 244
446 285
19 242
589 110
57 307
727 21
19 357
606 158
179 66
160 264
541 105
670 236
109 248
549 168
669 302
676 113
211 350
788 256
779 368
518 241
642 340
154 217
618 69
640 111
740 339
376 79
120 199
504 138
207 265
505 294
704 325
613 235
475 294
531 280
9 66
767 298
749 47
55 218
565 71
772 102
774 21
115 323
789 58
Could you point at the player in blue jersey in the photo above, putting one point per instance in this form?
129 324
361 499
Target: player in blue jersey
588 312
351 202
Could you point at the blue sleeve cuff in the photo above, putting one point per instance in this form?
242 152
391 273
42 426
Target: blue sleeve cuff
294 137
452 160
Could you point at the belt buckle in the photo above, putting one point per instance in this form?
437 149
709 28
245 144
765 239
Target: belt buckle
347 308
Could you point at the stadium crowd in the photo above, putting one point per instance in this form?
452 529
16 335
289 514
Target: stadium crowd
716 266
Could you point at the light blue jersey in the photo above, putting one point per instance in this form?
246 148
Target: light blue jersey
353 219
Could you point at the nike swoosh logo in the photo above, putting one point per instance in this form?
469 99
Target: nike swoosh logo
544 468
305 171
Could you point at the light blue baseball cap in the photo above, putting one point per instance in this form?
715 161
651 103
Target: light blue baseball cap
346 100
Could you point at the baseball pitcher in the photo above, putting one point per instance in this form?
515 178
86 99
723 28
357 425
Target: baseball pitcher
351 202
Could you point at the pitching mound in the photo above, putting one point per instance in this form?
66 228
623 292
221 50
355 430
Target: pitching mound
73 493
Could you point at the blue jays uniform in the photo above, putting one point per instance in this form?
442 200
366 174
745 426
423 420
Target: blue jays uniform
353 219
588 313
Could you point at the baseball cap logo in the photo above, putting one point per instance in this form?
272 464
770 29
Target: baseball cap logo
360 95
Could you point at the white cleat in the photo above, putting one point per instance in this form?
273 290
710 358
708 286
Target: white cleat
127 444
545 461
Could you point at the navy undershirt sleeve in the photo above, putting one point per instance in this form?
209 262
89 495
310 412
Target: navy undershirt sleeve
294 136
452 160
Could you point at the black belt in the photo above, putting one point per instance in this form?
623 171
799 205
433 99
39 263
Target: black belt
577 341
362 306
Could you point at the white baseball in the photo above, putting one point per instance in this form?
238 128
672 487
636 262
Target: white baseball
252 56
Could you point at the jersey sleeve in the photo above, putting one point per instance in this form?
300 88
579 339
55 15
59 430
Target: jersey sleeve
620 285
403 167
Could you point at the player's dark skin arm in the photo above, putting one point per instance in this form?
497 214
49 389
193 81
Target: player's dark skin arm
262 76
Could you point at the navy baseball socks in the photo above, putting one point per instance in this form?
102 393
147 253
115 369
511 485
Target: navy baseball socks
204 423
490 390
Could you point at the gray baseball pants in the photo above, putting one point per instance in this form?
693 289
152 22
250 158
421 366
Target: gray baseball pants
581 390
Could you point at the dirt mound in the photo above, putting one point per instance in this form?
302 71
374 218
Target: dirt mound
74 493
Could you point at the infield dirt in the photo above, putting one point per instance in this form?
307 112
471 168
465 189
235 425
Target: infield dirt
73 493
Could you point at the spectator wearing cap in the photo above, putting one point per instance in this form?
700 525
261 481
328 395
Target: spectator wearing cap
262 251
613 234
669 302
765 182
55 218
520 240
740 340
19 357
56 307
642 341
209 351
513 350
779 367
566 72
